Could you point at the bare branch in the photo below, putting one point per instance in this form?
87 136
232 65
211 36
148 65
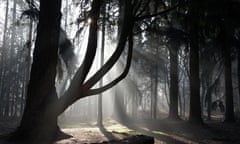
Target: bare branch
82 72
77 90
125 29
73 92
122 76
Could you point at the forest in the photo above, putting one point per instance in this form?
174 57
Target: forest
119 71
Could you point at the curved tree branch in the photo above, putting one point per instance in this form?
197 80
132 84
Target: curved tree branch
122 76
77 89
74 92
84 69
125 29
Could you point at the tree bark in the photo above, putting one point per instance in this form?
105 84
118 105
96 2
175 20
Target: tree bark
195 105
227 32
38 125
39 121
173 112
229 114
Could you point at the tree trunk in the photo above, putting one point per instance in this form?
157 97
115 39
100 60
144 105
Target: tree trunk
195 106
3 57
155 102
229 114
238 67
101 64
209 101
152 96
38 124
12 87
42 107
227 32
184 99
173 112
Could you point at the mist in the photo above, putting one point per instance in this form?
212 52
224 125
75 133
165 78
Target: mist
119 71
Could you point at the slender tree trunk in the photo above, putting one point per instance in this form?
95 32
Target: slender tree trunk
238 76
166 87
155 102
209 102
229 115
184 100
13 59
3 57
180 105
173 113
101 64
152 97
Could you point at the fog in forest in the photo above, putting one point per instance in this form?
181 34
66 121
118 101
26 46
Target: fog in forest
168 70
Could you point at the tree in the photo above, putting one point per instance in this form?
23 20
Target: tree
229 114
40 94
39 122
238 71
227 31
195 106
101 63
3 56
173 113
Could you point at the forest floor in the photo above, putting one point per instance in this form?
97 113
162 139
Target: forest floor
164 132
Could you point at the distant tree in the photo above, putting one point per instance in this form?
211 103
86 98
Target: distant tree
3 59
173 112
101 64
238 71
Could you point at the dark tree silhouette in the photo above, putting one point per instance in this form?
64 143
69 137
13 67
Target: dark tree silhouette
229 114
226 37
195 106
173 113
39 122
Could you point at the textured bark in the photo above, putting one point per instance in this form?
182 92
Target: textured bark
38 124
